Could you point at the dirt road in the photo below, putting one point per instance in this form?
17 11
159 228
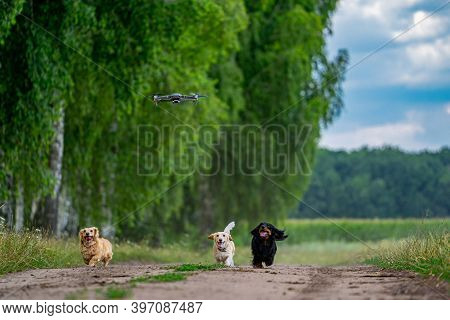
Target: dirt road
278 282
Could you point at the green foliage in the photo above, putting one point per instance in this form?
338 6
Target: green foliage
99 63
9 9
285 78
426 254
379 183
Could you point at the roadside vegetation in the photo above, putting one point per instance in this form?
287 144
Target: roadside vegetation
411 244
428 254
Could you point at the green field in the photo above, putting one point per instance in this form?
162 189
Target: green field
349 230
388 243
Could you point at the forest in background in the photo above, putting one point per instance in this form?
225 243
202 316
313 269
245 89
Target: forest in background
75 81
379 183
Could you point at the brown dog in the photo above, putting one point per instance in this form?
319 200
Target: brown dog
93 248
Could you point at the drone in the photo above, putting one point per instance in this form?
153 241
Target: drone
176 98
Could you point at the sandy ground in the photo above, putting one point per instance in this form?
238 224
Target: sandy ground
278 282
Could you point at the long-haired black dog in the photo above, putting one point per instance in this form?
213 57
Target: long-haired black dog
263 243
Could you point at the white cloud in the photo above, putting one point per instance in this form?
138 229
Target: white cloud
417 131
400 134
428 27
418 58
447 108
382 11
425 62
435 54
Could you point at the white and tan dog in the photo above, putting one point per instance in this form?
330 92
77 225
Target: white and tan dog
93 248
224 248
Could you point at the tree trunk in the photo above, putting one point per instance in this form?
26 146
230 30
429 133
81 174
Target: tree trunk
9 215
7 206
51 202
19 208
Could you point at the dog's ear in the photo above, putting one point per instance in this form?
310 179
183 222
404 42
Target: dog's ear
80 235
211 236
277 234
255 232
96 233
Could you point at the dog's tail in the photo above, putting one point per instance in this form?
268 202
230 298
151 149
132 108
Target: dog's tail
229 227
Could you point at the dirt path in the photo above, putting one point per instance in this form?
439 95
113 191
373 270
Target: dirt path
279 282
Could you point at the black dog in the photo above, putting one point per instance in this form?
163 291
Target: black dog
263 243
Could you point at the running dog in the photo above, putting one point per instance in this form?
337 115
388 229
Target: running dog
224 248
264 247
93 248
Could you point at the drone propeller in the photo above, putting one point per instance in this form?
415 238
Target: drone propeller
155 97
196 95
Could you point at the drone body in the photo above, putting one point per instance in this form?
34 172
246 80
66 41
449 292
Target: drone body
176 98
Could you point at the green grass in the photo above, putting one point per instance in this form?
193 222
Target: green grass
166 277
116 293
32 250
170 253
325 253
77 295
187 267
427 254
310 230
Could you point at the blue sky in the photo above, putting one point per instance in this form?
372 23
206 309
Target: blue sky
401 95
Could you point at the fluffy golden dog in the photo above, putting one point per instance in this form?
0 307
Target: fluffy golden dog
93 248
223 249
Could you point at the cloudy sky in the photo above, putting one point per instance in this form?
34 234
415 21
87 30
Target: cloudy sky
401 95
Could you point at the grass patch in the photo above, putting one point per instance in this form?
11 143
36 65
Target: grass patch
317 230
77 295
179 273
116 293
33 250
325 253
427 254
198 267
166 277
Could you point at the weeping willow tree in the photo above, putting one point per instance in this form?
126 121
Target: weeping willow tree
282 77
75 77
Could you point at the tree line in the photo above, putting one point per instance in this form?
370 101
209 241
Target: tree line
75 82
379 183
